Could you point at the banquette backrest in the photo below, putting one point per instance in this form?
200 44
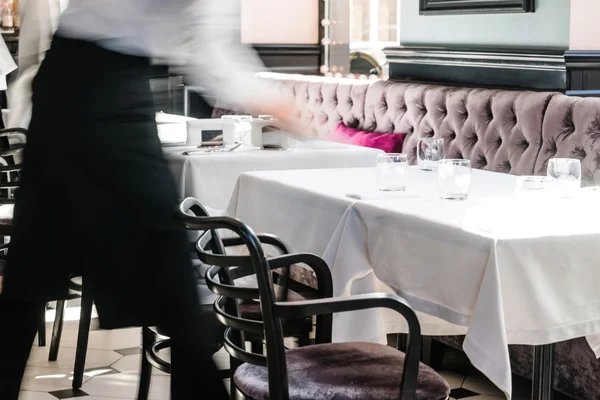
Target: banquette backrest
508 131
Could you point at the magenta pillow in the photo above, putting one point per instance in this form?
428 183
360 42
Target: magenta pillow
388 142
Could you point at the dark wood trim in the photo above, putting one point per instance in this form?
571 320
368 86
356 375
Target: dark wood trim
583 72
287 49
321 33
503 68
428 7
291 58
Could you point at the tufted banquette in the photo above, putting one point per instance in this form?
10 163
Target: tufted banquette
499 130
507 131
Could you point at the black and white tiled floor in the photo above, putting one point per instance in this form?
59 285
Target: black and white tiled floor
113 361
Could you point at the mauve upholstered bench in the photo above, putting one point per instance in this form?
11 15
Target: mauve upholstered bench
514 132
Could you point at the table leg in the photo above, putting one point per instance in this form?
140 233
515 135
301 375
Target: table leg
543 372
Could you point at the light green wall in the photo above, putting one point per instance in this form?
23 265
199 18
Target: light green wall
547 27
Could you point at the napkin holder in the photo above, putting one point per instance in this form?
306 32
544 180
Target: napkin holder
267 134
204 130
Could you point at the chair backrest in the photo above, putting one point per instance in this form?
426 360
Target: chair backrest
225 269
12 143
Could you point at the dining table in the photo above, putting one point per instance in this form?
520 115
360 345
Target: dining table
211 176
501 267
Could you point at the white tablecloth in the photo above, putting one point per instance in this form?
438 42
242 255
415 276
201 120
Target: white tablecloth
512 270
211 177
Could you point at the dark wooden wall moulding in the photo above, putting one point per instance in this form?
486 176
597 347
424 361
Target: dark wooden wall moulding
506 69
583 72
291 58
475 6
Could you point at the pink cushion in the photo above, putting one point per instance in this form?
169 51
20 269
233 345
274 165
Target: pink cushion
388 142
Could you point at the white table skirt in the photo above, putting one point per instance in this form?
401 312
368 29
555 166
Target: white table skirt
211 177
492 263
308 211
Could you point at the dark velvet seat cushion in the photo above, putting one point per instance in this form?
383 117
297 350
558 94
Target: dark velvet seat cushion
343 371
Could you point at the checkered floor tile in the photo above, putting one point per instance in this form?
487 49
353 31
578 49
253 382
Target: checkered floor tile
113 361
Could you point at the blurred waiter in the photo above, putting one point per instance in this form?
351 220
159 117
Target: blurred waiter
96 195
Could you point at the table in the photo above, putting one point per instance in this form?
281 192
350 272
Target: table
491 263
211 177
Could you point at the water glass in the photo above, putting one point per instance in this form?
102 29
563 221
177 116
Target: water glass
242 129
429 153
454 179
565 174
245 129
531 184
392 172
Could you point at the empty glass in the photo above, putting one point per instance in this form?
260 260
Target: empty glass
565 174
531 184
429 153
392 172
454 179
242 129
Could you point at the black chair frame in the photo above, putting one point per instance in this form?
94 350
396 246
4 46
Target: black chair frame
274 311
207 241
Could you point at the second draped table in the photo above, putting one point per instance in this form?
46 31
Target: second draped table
511 269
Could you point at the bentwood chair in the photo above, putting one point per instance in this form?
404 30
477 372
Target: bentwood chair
12 143
324 371
210 241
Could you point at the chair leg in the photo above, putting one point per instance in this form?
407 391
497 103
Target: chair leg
42 332
433 352
148 338
256 347
57 330
303 340
83 334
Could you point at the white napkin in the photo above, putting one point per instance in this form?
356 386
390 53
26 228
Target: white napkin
380 195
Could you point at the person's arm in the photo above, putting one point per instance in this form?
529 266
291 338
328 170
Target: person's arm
228 68
39 20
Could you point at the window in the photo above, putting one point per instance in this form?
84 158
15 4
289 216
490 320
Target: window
373 23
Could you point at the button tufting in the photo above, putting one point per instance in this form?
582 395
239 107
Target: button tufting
482 162
452 135
350 102
499 141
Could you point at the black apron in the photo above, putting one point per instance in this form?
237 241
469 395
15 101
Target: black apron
96 196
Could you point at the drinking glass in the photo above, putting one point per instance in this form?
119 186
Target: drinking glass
392 172
565 174
429 153
531 184
242 129
454 179
245 128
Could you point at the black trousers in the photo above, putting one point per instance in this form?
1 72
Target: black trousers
193 374
97 199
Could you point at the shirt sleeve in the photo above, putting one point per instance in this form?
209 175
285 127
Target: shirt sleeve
219 62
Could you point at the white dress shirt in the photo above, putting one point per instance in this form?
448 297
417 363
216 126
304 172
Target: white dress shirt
39 20
201 36
7 63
